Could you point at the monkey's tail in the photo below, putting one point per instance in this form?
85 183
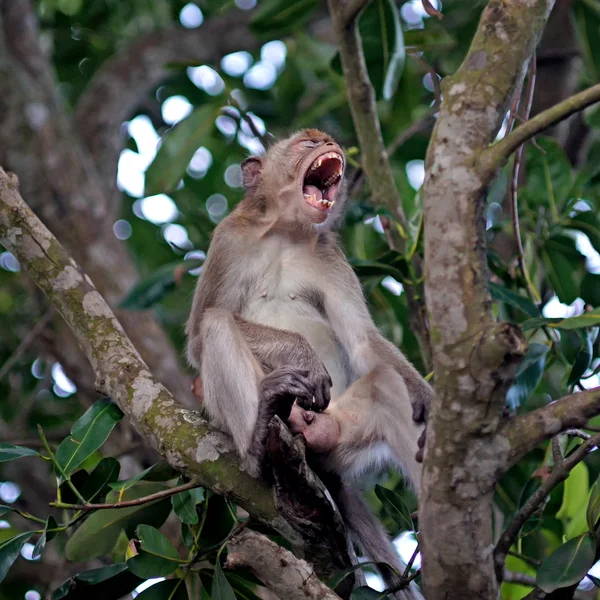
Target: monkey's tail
371 536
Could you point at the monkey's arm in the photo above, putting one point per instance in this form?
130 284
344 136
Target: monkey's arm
367 349
275 348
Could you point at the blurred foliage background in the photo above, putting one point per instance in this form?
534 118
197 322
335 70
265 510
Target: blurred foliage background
179 175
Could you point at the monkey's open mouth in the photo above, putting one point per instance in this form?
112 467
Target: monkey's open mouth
322 181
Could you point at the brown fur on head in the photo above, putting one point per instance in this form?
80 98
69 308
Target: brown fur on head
300 178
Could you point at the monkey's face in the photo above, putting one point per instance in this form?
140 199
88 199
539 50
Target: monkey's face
300 176
321 171
320 430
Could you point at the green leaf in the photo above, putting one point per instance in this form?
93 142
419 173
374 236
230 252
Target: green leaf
45 537
549 174
528 490
575 493
564 266
507 296
365 593
538 323
529 374
398 55
280 17
157 543
177 148
593 508
395 507
221 588
173 589
568 564
154 288
88 433
9 551
587 222
383 47
11 452
372 268
106 471
339 577
157 556
583 360
587 319
160 471
100 531
590 289
5 509
114 581
184 506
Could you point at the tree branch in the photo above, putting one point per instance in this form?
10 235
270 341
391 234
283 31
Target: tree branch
474 357
62 185
559 473
289 577
526 432
116 89
187 442
375 162
125 503
500 152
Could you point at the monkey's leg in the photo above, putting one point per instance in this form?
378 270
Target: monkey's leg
238 396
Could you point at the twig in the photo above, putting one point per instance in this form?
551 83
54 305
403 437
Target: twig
501 151
150 498
557 456
375 162
435 80
514 185
58 465
535 594
430 10
520 578
528 431
25 343
559 473
410 562
351 9
578 433
289 577
419 125
530 561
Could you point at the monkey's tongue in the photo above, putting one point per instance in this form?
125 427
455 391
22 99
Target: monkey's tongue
312 190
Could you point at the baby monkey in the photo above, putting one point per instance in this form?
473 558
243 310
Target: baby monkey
279 317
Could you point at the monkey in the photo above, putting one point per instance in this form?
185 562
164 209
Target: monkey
279 319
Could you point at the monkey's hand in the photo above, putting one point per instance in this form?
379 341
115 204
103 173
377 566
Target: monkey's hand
320 383
281 387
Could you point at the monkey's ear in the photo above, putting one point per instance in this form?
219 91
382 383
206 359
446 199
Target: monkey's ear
251 172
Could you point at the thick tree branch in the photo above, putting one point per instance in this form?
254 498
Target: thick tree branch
500 152
375 162
289 577
186 441
524 433
181 436
63 187
474 357
122 82
559 473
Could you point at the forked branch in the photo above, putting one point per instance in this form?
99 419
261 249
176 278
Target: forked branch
500 152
